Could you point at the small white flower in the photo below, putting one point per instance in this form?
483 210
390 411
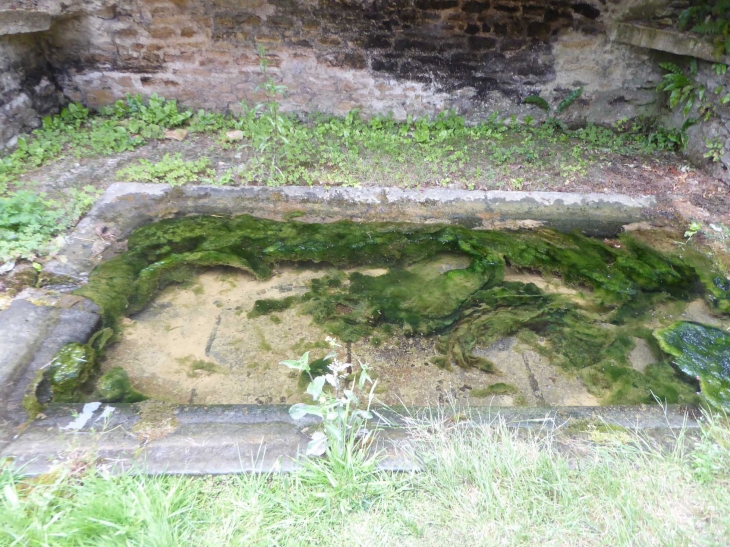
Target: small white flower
332 342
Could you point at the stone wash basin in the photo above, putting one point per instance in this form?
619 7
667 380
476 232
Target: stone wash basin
492 301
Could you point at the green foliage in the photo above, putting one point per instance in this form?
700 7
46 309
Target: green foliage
489 484
569 99
715 150
538 102
29 222
172 170
711 18
344 436
148 120
562 105
279 148
682 88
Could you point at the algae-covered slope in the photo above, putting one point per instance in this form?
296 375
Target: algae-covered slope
468 306
703 352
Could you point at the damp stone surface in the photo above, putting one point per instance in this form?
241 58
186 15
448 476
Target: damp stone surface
534 317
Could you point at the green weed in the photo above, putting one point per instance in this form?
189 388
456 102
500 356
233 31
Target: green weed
172 170
29 222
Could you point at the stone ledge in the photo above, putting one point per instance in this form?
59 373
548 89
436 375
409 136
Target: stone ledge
224 439
23 21
671 41
126 206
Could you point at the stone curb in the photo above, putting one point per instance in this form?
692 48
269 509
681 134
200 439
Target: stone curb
126 206
224 439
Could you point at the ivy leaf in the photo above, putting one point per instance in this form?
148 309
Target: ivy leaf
318 445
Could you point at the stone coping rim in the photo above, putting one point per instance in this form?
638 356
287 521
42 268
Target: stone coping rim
126 206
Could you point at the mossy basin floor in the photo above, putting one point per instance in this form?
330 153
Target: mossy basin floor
195 344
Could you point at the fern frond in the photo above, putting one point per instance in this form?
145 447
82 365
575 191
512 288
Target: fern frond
671 67
570 99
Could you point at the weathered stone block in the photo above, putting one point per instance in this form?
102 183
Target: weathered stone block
539 31
23 21
377 41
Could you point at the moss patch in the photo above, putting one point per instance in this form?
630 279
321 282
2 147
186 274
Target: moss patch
499 388
702 352
114 387
156 420
70 371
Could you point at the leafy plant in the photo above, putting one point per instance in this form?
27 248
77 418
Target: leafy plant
682 88
561 106
172 170
670 139
28 221
150 119
337 403
715 150
693 229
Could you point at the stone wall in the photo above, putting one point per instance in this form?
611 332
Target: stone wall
27 86
401 56
404 56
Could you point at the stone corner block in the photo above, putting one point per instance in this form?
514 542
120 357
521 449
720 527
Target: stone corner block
23 21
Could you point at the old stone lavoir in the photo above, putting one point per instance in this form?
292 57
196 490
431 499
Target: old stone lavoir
419 272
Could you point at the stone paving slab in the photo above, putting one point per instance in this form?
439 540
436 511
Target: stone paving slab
224 439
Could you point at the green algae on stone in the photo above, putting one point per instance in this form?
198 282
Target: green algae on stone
419 298
613 384
500 388
30 403
114 387
172 250
469 307
703 352
70 370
